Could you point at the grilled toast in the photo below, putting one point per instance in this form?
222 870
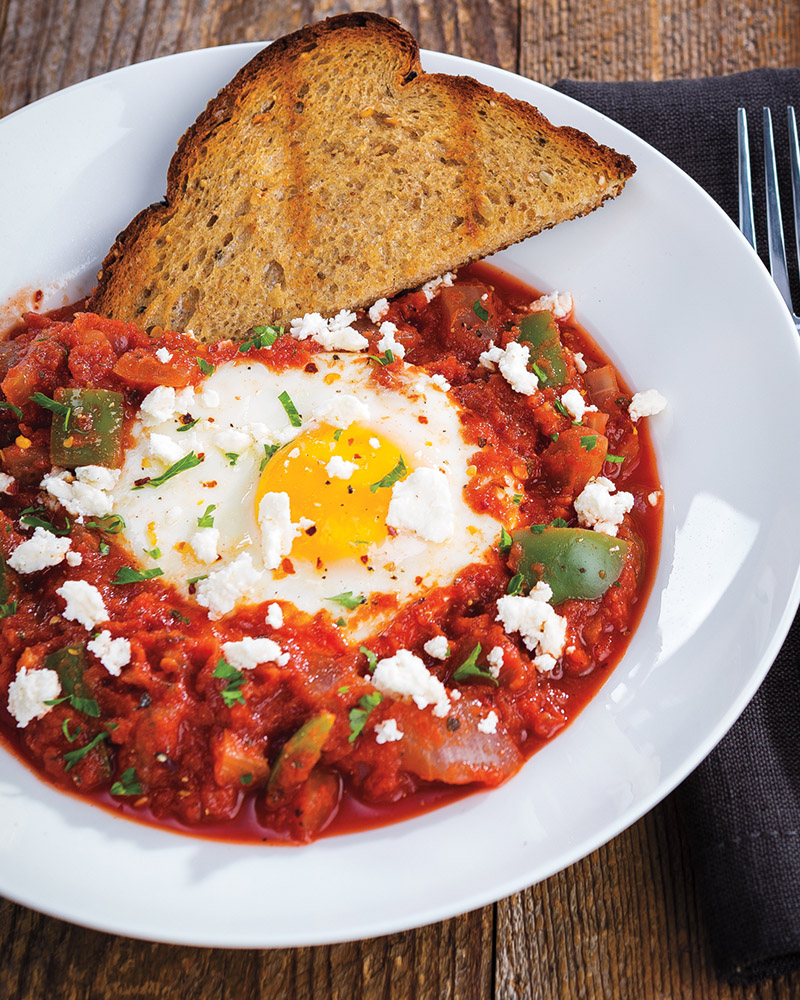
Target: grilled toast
333 171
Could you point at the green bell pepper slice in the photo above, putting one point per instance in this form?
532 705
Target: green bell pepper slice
297 758
540 331
91 431
575 562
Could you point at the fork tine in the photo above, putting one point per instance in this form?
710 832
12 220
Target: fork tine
777 248
745 183
794 159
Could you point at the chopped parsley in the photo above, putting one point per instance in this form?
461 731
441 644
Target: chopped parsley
69 737
469 668
558 522
616 459
60 409
103 548
188 425
231 693
391 477
337 433
31 518
232 457
187 462
265 336
348 599
127 574
246 779
383 359
505 543
479 310
207 520
360 714
128 784
205 367
517 499
74 757
112 524
539 373
197 579
341 622
372 659
153 553
291 410
14 409
269 451
515 584
588 441
178 616
8 609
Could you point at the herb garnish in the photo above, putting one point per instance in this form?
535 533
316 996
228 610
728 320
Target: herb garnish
178 616
269 451
187 462
505 543
348 599
61 409
515 584
383 359
470 668
104 548
246 779
153 553
70 737
112 524
265 336
616 459
588 441
391 477
188 425
128 784
8 609
479 311
359 715
30 517
231 693
205 367
372 659
75 756
127 574
232 457
14 409
207 520
291 410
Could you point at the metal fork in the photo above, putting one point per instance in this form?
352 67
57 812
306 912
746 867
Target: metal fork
777 248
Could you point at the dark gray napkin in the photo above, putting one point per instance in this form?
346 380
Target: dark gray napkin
741 807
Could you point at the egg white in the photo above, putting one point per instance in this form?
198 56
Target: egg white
238 412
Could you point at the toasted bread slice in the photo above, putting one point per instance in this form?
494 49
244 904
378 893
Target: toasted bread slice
331 172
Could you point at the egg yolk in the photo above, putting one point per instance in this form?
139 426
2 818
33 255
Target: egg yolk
332 477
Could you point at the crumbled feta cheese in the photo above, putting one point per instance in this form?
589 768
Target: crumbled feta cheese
422 503
576 405
86 494
652 499
221 591
277 530
247 653
158 405
598 506
274 616
513 364
6 482
374 443
388 342
379 310
542 630
335 334
114 654
387 731
42 550
29 691
441 381
164 449
404 675
560 304
489 724
232 440
184 399
430 288
342 410
437 647
580 364
340 468
495 660
73 558
163 355
204 544
84 603
646 404
209 398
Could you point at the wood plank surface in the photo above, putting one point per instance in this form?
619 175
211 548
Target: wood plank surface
624 922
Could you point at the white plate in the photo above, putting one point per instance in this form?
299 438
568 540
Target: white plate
675 296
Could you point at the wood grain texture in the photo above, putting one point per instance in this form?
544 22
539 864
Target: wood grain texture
624 922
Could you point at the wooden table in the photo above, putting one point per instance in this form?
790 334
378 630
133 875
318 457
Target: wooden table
623 922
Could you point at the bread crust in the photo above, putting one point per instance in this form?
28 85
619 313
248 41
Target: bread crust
128 285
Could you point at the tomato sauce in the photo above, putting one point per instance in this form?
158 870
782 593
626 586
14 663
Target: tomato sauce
288 753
